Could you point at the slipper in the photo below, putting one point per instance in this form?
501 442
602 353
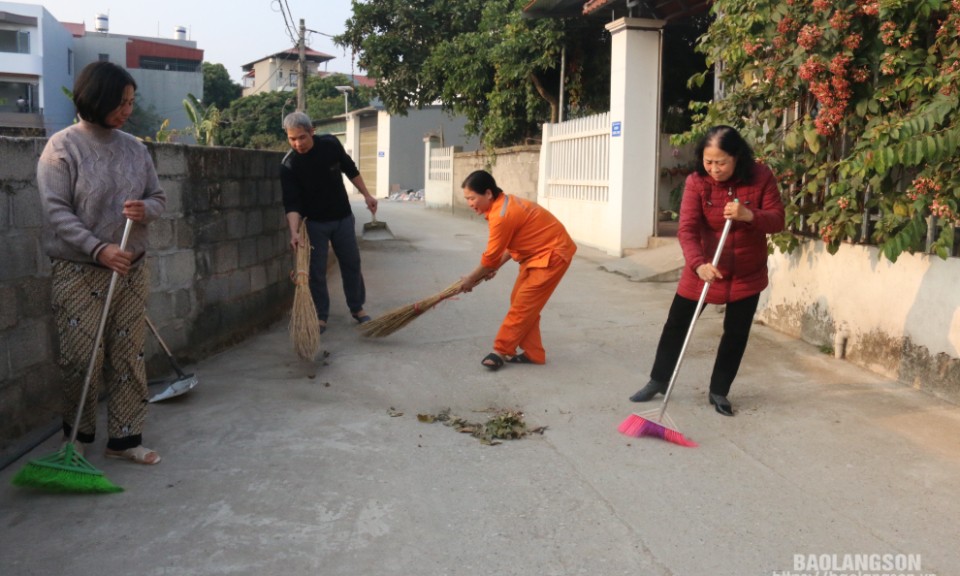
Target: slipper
138 454
519 359
493 361
361 317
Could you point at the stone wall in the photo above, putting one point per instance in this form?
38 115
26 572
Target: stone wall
515 169
219 265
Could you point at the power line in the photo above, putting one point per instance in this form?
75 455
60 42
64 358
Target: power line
284 10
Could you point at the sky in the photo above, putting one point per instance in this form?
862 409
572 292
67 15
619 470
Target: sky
230 32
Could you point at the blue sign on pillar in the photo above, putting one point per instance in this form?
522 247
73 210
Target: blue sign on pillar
615 130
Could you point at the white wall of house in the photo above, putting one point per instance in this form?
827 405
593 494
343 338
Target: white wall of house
165 91
58 73
273 74
90 46
45 65
400 151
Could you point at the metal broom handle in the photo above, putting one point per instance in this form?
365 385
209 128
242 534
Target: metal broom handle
696 314
96 342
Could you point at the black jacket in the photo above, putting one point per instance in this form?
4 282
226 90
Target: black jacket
312 183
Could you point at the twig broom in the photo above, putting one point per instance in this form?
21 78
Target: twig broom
304 324
398 318
638 425
66 470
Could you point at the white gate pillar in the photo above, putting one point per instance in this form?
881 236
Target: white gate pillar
634 131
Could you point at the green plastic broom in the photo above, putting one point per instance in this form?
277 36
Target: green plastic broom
66 470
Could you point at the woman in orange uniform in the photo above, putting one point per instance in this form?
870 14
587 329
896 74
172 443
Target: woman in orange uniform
525 232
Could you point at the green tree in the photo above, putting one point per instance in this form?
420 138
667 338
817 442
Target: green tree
256 121
144 122
257 115
325 101
481 59
218 88
854 104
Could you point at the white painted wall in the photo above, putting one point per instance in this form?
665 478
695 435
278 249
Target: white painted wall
58 111
401 157
909 308
635 105
165 91
47 61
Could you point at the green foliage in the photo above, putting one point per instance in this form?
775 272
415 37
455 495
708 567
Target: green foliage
480 59
218 89
204 120
854 104
325 101
256 121
258 115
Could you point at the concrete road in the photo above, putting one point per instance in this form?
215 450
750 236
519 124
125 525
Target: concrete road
275 466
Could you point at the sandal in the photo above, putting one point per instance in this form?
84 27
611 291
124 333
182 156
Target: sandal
493 361
138 454
361 316
323 325
520 359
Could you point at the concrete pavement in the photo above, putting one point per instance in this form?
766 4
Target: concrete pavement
277 466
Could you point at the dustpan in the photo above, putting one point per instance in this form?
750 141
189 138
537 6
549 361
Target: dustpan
376 230
181 384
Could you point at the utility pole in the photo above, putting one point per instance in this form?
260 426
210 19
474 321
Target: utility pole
302 76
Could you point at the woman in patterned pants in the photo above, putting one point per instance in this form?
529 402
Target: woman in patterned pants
92 178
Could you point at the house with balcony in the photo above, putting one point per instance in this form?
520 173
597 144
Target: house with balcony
40 57
279 71
36 61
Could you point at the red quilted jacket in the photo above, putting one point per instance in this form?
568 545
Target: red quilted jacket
743 261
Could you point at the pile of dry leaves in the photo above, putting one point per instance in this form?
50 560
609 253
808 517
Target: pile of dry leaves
503 425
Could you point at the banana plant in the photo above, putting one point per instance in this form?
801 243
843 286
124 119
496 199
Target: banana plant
205 120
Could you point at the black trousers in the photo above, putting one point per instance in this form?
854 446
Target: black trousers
737 320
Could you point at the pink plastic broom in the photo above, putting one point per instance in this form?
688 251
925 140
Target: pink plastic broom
637 425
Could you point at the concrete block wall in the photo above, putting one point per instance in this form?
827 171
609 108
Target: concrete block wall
514 169
219 266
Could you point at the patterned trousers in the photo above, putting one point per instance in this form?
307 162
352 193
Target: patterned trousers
79 292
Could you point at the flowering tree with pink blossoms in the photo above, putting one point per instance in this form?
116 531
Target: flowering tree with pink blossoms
855 104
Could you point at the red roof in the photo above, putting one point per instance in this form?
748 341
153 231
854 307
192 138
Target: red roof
293 54
77 29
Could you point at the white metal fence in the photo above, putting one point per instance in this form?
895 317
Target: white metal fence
579 159
438 185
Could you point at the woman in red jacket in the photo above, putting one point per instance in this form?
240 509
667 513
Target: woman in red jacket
728 185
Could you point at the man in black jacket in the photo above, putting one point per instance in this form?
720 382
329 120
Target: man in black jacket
313 188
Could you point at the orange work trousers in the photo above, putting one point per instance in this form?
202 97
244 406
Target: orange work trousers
521 327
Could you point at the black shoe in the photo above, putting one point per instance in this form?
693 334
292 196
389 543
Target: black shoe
649 391
721 404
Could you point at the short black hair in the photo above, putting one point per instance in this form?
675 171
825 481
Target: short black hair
98 90
480 181
730 141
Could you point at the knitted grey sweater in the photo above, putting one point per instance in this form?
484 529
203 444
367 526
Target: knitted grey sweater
85 174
